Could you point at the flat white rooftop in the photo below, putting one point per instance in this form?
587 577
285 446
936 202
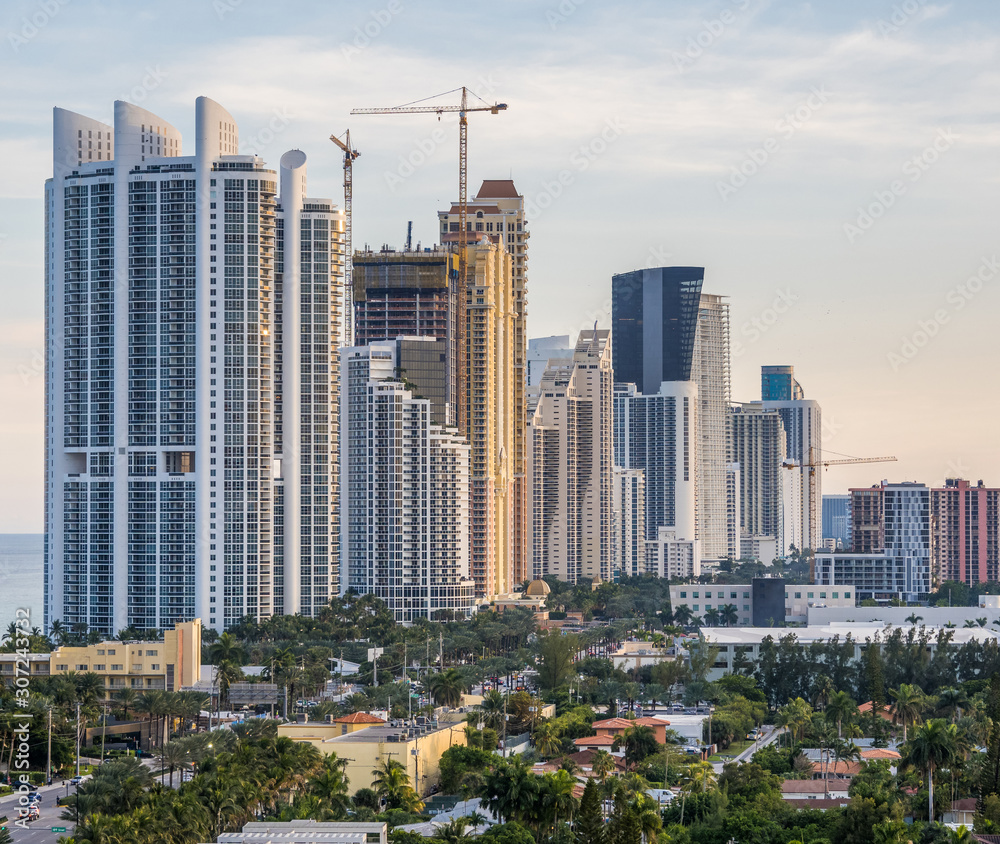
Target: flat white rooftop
824 632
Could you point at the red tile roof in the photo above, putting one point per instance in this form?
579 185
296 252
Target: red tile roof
652 722
613 724
594 741
842 768
810 787
498 189
358 718
879 753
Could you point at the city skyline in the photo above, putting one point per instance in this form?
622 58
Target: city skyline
830 110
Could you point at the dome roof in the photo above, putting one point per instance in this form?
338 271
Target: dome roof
537 589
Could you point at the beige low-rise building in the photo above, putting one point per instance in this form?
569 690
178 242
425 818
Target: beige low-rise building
168 665
307 832
634 655
416 746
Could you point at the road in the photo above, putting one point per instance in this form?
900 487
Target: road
40 831
747 754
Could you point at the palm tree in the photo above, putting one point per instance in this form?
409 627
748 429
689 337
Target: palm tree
603 764
392 785
547 740
729 615
712 617
446 687
557 795
126 699
952 701
491 710
227 649
682 615
174 756
931 747
649 817
452 832
839 708
908 706
476 820
639 742
914 619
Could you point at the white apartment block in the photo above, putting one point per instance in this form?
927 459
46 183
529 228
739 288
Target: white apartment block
733 508
710 371
405 502
570 468
658 434
672 557
700 598
169 280
628 519
803 423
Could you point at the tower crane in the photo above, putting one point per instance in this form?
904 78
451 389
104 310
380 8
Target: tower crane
463 111
349 155
814 464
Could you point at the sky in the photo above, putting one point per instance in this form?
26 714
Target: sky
832 165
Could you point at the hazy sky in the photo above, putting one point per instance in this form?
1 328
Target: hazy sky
832 165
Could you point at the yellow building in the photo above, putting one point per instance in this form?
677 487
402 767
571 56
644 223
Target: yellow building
490 417
168 665
496 215
417 747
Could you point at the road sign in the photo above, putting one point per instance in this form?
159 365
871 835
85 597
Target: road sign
58 829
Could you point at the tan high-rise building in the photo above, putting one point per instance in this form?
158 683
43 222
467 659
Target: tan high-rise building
490 413
497 212
571 466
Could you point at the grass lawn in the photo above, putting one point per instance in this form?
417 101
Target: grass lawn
734 750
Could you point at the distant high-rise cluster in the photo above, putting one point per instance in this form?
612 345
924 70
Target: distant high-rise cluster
213 451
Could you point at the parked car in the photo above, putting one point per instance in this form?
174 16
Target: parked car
76 780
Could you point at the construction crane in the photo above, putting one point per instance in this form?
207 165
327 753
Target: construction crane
349 155
463 160
812 466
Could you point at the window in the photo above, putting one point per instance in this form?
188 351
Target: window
684 594
111 651
154 667
694 595
695 608
746 596
61 667
82 667
847 594
115 667
836 595
798 594
152 653
810 595
746 608
822 594
100 651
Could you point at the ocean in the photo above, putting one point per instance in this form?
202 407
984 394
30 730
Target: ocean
21 577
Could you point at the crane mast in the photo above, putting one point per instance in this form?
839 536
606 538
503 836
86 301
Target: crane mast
463 111
349 155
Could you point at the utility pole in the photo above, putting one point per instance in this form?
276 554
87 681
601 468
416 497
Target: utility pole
78 739
48 764
441 649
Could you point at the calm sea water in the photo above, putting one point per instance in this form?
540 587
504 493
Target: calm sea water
21 576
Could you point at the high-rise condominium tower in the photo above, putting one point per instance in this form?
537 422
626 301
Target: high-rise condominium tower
405 501
777 383
658 434
497 214
965 531
628 522
570 465
710 371
177 428
803 422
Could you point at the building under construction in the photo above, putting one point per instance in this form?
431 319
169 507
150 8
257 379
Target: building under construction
413 294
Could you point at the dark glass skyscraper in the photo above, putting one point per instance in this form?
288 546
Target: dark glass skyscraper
655 315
